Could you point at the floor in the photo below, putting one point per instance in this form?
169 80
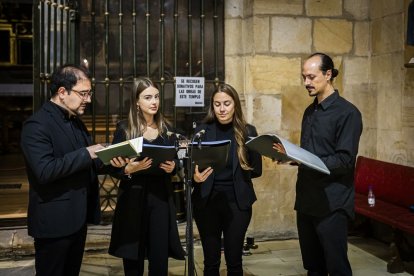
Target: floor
278 257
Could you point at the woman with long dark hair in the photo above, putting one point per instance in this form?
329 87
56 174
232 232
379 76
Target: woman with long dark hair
223 199
144 224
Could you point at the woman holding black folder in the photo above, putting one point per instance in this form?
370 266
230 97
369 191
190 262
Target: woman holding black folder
144 224
223 200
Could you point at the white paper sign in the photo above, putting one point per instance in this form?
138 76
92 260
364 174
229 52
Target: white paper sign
189 91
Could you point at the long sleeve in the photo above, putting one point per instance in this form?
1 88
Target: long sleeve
42 154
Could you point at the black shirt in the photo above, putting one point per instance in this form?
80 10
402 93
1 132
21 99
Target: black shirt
225 176
223 180
331 130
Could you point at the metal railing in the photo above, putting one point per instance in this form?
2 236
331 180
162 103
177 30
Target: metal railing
121 40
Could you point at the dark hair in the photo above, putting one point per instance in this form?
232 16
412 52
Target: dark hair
326 64
67 76
136 120
239 123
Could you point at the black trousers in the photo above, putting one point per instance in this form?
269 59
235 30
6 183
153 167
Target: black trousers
154 243
216 217
60 256
324 244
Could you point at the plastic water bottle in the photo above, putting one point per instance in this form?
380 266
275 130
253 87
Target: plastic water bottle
371 197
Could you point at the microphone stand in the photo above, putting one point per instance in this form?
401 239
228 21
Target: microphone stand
188 180
188 183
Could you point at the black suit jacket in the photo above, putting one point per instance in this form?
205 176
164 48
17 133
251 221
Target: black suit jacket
129 225
63 186
243 185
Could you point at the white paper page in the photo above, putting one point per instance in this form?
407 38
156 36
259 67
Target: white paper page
302 156
137 144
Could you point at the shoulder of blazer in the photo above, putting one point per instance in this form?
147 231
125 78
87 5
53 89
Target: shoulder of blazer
45 109
251 130
47 114
49 107
123 124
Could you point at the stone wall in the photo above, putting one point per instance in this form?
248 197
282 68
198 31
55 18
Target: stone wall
267 41
392 83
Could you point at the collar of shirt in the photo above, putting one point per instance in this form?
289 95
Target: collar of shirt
65 113
326 102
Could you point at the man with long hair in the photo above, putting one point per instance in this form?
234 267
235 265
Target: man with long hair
331 129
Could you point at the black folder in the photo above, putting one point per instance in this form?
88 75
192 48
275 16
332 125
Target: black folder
159 154
211 154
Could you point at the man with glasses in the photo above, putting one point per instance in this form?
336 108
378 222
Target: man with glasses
61 166
84 95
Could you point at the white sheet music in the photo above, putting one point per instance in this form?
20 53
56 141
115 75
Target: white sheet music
263 144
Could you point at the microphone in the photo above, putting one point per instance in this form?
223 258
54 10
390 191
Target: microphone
199 134
176 135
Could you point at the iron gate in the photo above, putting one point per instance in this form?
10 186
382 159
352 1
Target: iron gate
121 40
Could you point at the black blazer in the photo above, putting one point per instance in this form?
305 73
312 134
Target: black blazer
63 186
243 185
129 226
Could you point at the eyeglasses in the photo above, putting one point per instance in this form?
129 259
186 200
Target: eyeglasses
83 94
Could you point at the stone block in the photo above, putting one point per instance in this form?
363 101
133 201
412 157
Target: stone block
295 99
267 112
382 8
368 142
247 105
291 35
408 105
387 34
359 9
267 163
361 38
389 109
248 8
233 40
323 8
365 99
391 146
333 36
247 39
387 69
266 74
407 136
234 70
273 213
285 7
261 31
233 8
356 71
